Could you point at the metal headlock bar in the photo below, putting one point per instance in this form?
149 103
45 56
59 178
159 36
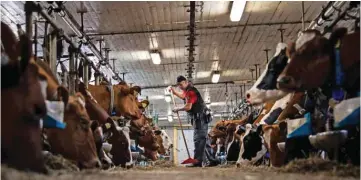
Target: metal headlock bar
31 7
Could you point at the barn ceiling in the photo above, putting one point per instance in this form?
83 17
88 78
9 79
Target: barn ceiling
132 29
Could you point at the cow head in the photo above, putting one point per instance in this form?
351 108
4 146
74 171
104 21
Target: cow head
252 147
161 149
219 130
99 137
53 84
265 88
164 141
127 104
76 141
23 104
310 62
148 140
274 134
121 146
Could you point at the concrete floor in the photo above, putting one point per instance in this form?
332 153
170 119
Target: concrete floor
173 173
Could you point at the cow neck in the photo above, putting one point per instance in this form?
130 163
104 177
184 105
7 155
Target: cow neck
111 103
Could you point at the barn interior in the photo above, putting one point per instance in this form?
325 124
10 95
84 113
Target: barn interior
221 47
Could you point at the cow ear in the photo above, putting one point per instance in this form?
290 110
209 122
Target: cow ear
94 124
157 132
136 90
63 94
260 130
291 49
9 42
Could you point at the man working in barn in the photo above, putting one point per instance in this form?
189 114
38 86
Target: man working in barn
196 109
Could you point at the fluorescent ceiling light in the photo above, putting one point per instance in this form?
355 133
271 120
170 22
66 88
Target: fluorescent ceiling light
155 56
237 10
215 77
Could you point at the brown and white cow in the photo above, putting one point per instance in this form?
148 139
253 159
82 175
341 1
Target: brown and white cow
125 103
141 130
119 141
265 89
312 61
23 104
76 141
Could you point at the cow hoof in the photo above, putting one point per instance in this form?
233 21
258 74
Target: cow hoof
129 166
238 165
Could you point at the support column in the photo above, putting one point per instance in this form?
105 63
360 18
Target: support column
85 73
97 78
52 49
72 70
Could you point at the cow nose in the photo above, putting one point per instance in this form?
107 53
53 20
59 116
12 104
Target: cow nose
248 95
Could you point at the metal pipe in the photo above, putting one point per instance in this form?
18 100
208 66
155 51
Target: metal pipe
72 70
303 15
244 88
29 19
84 36
53 51
200 28
206 83
45 15
241 91
97 80
281 30
266 50
328 10
85 74
236 99
35 39
67 56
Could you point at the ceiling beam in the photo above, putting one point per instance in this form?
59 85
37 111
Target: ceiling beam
199 28
195 84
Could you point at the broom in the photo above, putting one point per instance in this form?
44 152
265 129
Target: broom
189 160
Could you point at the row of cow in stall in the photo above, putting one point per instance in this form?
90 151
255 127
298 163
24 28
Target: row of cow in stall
300 89
91 137
310 97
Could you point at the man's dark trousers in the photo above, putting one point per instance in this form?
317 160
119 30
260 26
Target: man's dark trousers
202 147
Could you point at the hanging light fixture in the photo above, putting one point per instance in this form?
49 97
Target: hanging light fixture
167 95
215 76
170 118
237 10
155 56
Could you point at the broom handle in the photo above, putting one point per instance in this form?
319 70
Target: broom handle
180 124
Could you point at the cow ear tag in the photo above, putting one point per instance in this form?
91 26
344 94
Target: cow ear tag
107 125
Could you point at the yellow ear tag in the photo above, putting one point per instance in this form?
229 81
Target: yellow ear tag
107 125
144 105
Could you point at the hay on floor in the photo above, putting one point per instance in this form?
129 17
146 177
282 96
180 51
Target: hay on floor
314 164
58 162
